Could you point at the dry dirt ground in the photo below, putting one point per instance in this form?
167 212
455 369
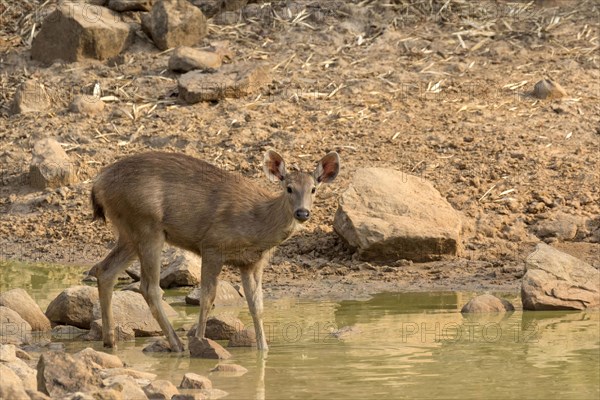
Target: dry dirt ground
438 89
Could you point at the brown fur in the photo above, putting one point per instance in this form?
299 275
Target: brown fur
156 197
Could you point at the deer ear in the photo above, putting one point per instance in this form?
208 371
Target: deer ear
327 168
274 166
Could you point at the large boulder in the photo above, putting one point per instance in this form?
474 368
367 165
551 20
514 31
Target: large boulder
487 303
13 328
131 311
74 306
11 386
389 215
183 269
104 360
227 295
557 281
50 165
160 389
174 23
27 374
20 301
59 373
230 81
75 31
30 97
126 385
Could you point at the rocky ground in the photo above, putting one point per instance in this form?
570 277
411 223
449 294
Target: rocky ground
441 90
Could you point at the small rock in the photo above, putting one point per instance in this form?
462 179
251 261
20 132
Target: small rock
50 166
102 359
230 81
195 381
13 328
135 374
130 5
20 301
487 303
158 346
74 306
229 369
8 352
160 390
174 23
60 373
219 327
189 396
389 215
561 226
206 348
345 332
126 385
186 59
76 31
243 338
548 89
226 296
213 393
22 354
557 281
86 104
11 386
183 269
30 97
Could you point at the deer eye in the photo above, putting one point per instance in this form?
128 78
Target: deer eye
289 189
313 190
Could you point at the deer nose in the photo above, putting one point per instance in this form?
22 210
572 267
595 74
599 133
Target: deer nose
302 214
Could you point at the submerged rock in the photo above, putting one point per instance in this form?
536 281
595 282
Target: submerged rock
195 381
487 303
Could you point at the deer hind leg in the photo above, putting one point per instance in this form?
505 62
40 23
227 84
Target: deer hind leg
252 282
106 271
149 252
211 268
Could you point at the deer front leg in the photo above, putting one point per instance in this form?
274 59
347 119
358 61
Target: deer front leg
211 268
252 282
106 273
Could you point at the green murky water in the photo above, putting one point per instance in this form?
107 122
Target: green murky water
408 345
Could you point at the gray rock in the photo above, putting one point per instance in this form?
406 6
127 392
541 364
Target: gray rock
174 23
185 59
388 215
75 31
134 287
183 269
226 295
206 348
60 373
67 332
102 359
13 328
160 390
195 381
126 385
557 281
548 89
229 370
220 327
11 386
158 346
20 301
243 338
86 104
30 97
487 303
130 5
50 166
74 306
561 226
230 81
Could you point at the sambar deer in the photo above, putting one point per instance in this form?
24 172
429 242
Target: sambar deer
157 197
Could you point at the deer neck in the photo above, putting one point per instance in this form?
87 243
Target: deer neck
277 217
